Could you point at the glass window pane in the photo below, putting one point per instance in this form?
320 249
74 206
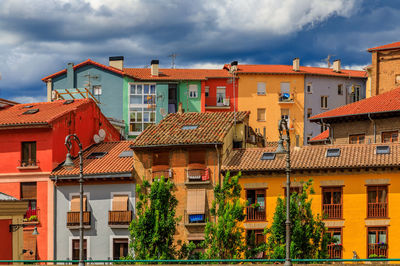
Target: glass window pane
382 237
337 197
153 89
371 238
133 117
133 90
382 195
372 196
139 89
136 127
136 99
338 237
145 125
146 117
146 89
139 117
261 200
327 198
153 116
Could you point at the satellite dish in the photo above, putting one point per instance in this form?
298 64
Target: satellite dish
163 112
102 134
97 138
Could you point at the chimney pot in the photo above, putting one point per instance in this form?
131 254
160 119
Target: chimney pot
116 62
336 65
180 109
296 64
154 67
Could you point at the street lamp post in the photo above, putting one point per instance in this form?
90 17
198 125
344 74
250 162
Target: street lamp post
281 150
69 164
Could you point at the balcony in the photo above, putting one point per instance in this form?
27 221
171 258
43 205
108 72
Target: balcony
31 216
28 165
121 219
286 98
378 249
73 219
196 220
255 214
377 210
166 173
335 251
332 211
217 103
197 176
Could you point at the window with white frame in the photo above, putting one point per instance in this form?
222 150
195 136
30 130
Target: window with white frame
285 115
221 96
97 90
193 91
142 112
324 102
261 89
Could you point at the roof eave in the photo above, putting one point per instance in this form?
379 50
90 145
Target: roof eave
352 115
173 145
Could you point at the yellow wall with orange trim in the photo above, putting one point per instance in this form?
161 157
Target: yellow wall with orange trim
354 205
250 101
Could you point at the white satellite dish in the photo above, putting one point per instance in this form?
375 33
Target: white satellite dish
102 133
97 138
163 112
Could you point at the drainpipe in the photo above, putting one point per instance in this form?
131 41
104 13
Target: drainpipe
55 219
373 121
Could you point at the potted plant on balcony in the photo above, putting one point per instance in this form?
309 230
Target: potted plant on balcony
337 246
382 245
33 218
255 205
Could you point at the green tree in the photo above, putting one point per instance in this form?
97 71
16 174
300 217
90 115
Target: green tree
309 239
224 239
153 230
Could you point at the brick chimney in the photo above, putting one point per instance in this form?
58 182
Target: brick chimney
154 67
180 109
336 65
116 61
296 64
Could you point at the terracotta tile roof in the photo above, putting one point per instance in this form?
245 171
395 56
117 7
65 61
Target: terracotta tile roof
87 62
385 47
386 102
314 157
111 163
176 74
288 69
211 128
47 112
321 137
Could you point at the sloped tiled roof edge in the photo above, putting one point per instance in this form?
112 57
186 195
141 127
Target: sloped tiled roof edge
394 45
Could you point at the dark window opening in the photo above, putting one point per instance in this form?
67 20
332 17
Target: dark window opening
120 248
96 155
75 249
28 155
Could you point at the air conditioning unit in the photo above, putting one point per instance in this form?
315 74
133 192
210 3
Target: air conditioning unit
226 102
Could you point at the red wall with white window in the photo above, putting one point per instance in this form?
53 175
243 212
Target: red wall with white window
211 100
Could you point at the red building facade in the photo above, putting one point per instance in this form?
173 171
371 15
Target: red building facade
31 145
219 94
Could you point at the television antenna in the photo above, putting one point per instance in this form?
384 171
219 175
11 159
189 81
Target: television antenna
173 57
328 59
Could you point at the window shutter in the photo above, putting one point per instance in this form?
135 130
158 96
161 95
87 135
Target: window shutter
196 201
120 203
28 190
75 203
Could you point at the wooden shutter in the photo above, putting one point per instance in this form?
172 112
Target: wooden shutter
120 203
196 201
197 156
75 206
28 190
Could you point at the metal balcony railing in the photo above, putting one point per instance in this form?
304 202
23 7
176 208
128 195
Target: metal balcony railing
377 209
377 249
255 213
198 175
167 173
335 251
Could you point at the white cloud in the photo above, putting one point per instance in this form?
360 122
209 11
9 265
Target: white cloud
29 99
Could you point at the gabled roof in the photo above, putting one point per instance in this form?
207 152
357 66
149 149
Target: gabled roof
46 113
176 74
389 46
87 62
189 129
314 157
6 103
304 70
111 163
321 137
383 103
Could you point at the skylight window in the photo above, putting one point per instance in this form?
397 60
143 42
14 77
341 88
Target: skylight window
190 127
382 150
68 102
27 106
126 154
332 152
31 111
96 155
268 156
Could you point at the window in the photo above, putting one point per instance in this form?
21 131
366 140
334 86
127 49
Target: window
125 154
255 238
309 87
28 154
268 156
96 155
382 150
332 202
120 213
256 204
335 248
309 112
193 92
120 202
261 90
391 136
285 116
285 92
355 93
357 139
377 201
120 248
333 152
30 112
97 90
75 203
324 102
141 107
29 192
340 89
220 96
377 241
293 189
190 127
207 91
195 207
75 249
261 114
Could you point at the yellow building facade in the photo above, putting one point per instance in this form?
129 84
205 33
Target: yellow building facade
360 195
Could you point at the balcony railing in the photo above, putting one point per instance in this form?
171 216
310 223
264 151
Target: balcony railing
377 249
31 215
377 209
28 164
217 102
335 251
197 175
255 214
167 173
73 218
119 217
332 211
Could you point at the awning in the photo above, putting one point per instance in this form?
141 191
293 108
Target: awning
120 203
196 201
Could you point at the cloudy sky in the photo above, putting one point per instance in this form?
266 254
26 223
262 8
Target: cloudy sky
40 37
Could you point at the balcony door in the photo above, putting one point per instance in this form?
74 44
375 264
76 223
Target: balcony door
377 201
256 204
221 95
332 202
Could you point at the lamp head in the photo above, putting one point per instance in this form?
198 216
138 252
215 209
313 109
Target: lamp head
69 163
35 232
280 149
